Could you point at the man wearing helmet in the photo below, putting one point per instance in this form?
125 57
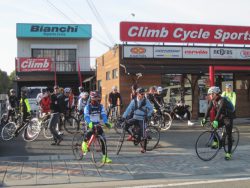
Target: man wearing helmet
224 116
24 108
93 112
137 112
12 104
82 102
159 96
114 95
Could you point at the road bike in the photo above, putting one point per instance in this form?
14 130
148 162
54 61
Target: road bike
204 146
8 131
96 146
114 118
151 138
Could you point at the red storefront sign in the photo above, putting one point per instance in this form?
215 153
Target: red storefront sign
184 33
33 64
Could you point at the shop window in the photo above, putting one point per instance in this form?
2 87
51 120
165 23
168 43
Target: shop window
108 75
115 73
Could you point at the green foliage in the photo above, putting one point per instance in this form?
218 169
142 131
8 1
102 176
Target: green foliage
6 82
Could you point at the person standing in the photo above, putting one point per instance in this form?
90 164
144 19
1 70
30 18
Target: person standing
114 95
12 104
231 95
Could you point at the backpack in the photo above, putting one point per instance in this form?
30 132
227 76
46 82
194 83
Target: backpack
143 103
230 106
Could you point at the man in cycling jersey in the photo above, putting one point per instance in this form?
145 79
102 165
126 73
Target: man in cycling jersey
12 104
93 113
113 99
137 112
224 116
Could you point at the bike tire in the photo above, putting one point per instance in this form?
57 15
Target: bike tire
32 130
118 127
120 142
235 140
203 145
77 145
46 131
96 151
152 138
71 125
8 131
167 121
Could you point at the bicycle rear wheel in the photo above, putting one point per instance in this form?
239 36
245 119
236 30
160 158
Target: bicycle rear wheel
167 121
32 130
8 131
153 137
77 145
235 140
46 131
71 125
204 145
97 148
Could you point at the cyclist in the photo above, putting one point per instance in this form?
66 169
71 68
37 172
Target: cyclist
55 116
181 110
81 91
159 96
45 102
93 113
139 110
113 99
12 104
82 102
24 108
224 111
71 103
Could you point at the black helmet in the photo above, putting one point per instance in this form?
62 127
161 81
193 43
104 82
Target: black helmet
140 90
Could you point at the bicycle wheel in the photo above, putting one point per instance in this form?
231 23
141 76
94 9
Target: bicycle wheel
120 142
235 140
71 125
46 131
203 146
167 121
97 148
8 131
4 119
32 130
153 138
77 145
118 126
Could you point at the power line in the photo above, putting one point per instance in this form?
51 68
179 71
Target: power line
100 20
72 21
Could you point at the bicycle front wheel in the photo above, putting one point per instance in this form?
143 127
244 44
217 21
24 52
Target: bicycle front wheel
71 125
98 149
8 131
205 146
120 142
46 131
235 140
32 130
77 145
152 138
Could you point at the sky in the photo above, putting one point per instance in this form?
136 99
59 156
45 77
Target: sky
110 14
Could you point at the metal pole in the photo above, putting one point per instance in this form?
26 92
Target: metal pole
211 79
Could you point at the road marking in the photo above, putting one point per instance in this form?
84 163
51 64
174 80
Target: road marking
190 183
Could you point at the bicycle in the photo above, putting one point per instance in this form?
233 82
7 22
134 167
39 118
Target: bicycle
152 137
204 145
70 123
96 145
163 120
114 118
41 125
8 131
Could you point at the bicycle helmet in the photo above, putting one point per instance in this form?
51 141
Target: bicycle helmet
12 91
81 89
140 90
213 89
114 88
229 86
94 96
67 90
159 89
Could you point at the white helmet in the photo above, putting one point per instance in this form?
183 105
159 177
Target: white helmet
213 89
159 89
114 88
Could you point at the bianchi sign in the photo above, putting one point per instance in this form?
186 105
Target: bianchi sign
53 30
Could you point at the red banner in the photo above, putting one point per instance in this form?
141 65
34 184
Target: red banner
34 64
184 33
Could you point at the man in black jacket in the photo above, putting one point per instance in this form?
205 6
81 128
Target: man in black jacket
12 104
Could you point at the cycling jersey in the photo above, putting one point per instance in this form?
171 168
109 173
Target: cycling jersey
45 104
113 97
95 113
12 102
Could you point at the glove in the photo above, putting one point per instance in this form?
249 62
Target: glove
108 125
215 124
90 125
203 122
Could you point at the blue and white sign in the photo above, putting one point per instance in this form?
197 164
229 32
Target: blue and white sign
83 31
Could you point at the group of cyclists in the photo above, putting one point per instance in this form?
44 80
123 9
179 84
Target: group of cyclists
141 107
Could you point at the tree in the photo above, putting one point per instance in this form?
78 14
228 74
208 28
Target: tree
4 82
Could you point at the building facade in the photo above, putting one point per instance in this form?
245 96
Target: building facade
53 54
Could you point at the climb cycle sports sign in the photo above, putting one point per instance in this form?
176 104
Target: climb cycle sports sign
183 33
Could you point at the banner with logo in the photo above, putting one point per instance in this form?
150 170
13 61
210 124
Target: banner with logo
167 52
196 53
184 33
223 53
34 64
243 54
138 51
